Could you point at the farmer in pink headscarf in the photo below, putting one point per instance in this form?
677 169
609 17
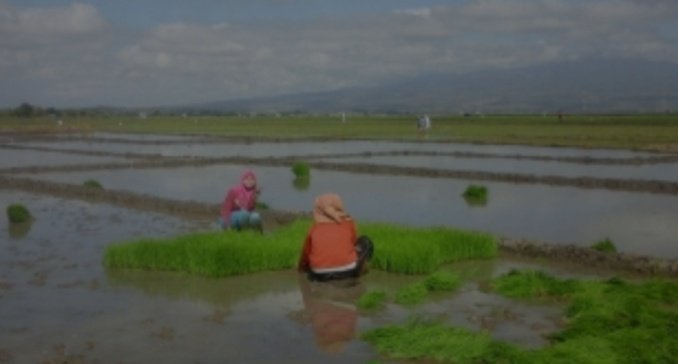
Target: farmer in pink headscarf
237 210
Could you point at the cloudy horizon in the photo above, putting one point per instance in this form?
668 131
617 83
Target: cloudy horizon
147 53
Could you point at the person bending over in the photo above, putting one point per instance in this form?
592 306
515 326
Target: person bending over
331 249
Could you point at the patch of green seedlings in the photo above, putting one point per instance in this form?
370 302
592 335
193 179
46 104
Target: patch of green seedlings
441 281
92 183
606 246
372 300
409 250
18 213
610 321
420 339
301 169
415 293
216 254
475 195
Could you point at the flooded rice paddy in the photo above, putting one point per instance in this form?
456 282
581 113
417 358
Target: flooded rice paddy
637 222
58 303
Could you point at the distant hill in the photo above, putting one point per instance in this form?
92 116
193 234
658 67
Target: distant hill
579 86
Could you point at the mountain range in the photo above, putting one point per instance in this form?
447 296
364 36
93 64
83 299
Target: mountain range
607 85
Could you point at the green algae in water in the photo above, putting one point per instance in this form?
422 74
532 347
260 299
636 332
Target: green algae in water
18 213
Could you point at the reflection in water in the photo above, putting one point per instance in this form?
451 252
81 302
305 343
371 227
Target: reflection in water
301 183
475 201
330 310
19 230
221 293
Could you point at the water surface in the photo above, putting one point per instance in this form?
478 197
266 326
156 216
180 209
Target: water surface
637 222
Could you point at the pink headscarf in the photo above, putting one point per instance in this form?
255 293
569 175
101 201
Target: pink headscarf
245 196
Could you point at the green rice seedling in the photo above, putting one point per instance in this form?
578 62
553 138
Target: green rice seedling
582 350
301 169
606 246
527 284
419 340
91 183
397 249
411 294
442 281
18 213
408 250
611 321
372 300
475 194
213 254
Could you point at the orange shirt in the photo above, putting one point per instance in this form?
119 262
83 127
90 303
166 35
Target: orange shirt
329 245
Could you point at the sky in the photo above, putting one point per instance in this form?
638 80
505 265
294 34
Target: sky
143 53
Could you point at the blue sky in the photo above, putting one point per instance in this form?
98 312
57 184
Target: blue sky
165 52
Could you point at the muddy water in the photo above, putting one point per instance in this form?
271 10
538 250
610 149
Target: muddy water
58 304
662 172
21 158
636 222
264 149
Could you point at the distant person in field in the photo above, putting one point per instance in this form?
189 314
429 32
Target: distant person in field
424 123
332 249
237 210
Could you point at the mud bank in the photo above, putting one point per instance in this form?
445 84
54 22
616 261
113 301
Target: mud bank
80 152
542 158
615 184
136 201
591 258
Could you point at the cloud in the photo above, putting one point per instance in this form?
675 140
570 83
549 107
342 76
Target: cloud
179 62
32 26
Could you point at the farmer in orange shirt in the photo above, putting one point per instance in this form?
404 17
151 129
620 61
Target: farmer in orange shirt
331 249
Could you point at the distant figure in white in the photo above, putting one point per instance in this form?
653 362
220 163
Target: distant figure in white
424 123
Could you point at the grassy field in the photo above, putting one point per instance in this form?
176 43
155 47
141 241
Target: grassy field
657 132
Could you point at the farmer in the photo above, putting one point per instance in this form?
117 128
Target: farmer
331 250
237 210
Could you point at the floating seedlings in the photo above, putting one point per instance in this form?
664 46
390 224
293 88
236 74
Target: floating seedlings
442 282
18 213
475 195
217 254
612 321
372 300
301 183
606 246
91 183
411 294
419 340
301 169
